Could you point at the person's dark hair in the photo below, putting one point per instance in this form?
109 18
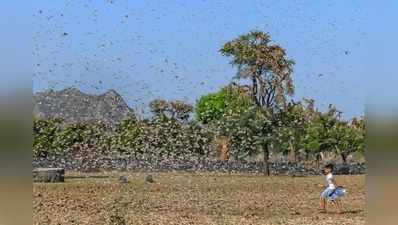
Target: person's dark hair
329 166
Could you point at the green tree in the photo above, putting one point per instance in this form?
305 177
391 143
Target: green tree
52 136
346 138
360 127
81 137
289 136
269 70
230 100
44 134
254 131
318 136
126 136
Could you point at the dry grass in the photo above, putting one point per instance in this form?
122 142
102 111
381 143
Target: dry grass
186 198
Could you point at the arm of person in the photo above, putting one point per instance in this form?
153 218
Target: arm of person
334 182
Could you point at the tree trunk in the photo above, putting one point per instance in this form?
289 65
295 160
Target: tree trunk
254 91
344 158
318 159
135 154
292 151
224 150
266 159
321 156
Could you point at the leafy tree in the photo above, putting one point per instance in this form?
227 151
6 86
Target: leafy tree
312 142
318 136
44 133
255 131
162 137
358 124
230 100
169 134
294 121
266 65
198 140
126 136
80 137
159 107
180 110
346 138
221 112
173 109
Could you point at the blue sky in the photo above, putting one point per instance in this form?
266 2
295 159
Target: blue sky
169 49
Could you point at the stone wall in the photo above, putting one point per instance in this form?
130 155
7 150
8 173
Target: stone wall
197 165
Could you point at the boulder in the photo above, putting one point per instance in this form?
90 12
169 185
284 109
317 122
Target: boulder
49 175
123 180
148 179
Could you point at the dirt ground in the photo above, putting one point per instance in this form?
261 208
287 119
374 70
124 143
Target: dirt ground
190 198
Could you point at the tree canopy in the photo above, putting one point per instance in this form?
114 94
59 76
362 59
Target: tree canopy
265 64
232 99
257 118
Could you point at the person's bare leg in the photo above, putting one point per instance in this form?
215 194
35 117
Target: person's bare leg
322 204
338 206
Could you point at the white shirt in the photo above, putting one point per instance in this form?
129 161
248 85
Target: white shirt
329 181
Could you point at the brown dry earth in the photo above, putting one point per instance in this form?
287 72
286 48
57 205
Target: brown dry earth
188 198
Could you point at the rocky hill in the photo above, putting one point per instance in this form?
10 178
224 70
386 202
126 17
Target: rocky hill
72 105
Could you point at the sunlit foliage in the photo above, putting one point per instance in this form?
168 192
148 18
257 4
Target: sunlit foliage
256 119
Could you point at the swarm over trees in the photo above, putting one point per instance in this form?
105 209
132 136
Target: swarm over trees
222 113
256 118
52 136
304 129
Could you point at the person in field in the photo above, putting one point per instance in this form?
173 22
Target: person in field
332 193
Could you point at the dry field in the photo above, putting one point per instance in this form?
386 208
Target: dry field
187 198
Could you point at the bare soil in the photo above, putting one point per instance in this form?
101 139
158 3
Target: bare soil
193 198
